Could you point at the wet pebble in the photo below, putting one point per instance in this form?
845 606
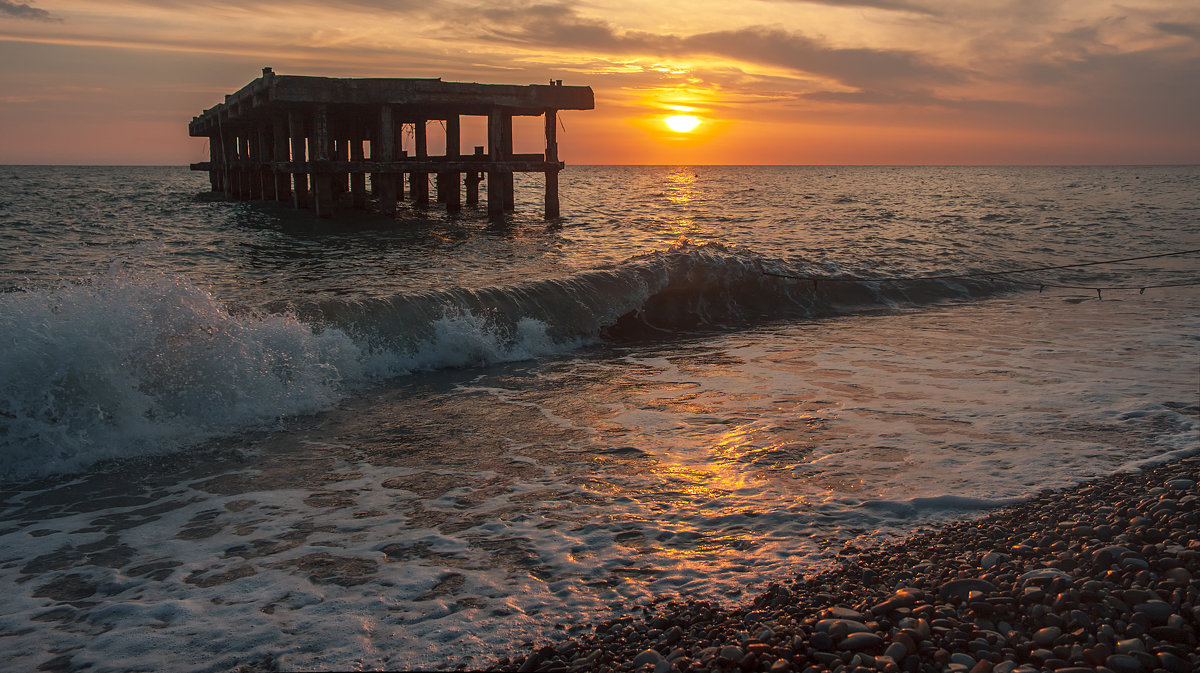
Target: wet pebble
860 641
1092 578
653 658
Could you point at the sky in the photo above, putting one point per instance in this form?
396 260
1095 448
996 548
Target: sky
771 81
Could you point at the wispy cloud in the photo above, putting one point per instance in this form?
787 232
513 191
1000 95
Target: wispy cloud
888 5
856 67
1191 30
23 11
560 26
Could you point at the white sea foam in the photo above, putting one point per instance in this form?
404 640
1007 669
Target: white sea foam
129 363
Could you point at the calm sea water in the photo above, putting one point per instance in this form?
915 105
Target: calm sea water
229 430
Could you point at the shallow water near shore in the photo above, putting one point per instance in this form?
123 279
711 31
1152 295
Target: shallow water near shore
421 446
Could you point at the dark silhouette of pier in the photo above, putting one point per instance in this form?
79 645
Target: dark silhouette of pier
313 141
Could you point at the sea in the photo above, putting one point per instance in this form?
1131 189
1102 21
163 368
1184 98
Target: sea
234 433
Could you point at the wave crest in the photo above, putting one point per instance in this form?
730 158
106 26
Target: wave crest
128 363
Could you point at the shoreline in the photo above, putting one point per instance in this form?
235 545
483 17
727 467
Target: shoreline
1102 576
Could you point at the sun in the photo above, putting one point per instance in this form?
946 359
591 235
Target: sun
682 123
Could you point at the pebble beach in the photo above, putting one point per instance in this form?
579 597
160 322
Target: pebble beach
1100 577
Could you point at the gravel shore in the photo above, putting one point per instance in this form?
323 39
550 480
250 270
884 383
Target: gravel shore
1103 577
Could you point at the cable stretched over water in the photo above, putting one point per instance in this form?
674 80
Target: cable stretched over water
989 274
594 209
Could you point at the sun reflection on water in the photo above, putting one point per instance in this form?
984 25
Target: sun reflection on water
681 186
680 189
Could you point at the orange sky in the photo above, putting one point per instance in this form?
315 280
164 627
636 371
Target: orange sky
773 81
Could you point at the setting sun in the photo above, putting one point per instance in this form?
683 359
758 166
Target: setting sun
682 123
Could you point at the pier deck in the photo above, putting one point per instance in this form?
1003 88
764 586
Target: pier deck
313 141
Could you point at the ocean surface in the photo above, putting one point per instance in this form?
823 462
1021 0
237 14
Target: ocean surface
230 430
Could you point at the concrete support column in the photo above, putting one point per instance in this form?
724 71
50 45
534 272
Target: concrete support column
339 154
358 181
400 152
473 179
420 181
298 135
235 171
214 164
243 167
452 189
383 150
552 158
371 135
228 153
283 181
262 168
265 155
319 151
495 179
506 140
216 152
253 177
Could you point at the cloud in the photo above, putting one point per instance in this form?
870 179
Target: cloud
560 26
22 11
889 5
1128 91
864 67
1191 30
548 25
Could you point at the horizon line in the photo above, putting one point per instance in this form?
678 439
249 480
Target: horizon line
702 165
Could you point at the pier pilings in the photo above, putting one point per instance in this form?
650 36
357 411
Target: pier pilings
327 143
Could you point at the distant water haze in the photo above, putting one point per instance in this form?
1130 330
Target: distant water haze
230 430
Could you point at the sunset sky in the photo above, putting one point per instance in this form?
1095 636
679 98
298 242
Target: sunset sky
772 81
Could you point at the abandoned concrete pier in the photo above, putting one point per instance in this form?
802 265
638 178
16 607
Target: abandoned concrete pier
313 141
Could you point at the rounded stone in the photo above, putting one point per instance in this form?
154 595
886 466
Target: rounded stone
1123 663
731 653
1043 576
963 659
838 612
835 625
821 641
652 657
1157 611
860 641
903 598
1047 636
1130 645
962 588
896 651
1173 663
1135 563
1179 575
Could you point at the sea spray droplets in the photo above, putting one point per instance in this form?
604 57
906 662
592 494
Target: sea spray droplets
134 363
462 339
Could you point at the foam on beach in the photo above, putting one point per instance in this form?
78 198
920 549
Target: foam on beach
1101 575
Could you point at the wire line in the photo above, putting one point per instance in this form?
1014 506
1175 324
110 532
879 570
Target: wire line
983 274
987 274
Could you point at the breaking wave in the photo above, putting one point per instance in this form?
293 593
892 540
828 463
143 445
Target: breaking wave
129 363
